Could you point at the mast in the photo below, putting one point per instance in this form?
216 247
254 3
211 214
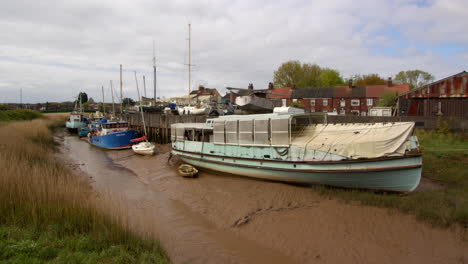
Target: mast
103 104
112 92
189 60
154 73
21 97
144 84
141 108
121 98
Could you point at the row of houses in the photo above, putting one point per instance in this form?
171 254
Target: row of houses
445 97
343 100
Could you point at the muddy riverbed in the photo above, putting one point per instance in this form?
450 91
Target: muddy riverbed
226 219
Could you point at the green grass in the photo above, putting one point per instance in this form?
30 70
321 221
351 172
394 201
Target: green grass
18 114
445 161
49 215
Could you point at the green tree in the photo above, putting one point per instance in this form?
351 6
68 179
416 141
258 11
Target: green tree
389 98
288 73
83 97
297 104
128 101
330 77
305 75
415 78
310 76
368 79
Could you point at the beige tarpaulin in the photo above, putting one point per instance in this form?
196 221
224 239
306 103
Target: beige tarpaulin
356 140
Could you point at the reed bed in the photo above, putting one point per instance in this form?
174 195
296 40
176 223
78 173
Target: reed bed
40 196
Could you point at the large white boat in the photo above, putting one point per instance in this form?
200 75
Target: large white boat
290 147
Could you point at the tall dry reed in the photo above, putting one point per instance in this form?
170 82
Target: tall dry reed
37 190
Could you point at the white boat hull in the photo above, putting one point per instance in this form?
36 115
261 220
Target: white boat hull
144 148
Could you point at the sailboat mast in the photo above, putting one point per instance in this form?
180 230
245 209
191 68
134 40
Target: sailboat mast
121 98
103 104
140 108
189 60
144 84
112 92
154 73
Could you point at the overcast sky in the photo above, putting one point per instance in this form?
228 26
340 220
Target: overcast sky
53 49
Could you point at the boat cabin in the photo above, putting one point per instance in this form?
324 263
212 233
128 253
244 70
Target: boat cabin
243 130
77 117
110 127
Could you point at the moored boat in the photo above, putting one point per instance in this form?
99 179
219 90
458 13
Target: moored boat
112 135
289 147
75 122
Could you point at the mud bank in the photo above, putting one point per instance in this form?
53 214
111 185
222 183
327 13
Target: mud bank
225 219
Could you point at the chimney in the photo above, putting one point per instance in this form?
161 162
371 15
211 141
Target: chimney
293 86
251 86
270 86
201 88
350 83
389 82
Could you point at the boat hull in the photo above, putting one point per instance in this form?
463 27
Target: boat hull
74 126
115 140
394 174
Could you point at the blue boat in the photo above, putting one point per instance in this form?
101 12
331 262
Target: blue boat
112 135
295 148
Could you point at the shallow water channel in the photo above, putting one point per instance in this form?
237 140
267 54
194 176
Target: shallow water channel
226 219
187 236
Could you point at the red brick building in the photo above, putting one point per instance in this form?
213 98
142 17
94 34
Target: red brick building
445 97
349 100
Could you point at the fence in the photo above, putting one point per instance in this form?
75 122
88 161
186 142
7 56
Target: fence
159 125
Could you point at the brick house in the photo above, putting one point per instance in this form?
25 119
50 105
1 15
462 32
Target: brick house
344 100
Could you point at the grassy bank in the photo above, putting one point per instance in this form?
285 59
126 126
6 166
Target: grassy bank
49 215
18 114
445 163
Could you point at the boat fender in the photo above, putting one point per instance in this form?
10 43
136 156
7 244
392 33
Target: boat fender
187 170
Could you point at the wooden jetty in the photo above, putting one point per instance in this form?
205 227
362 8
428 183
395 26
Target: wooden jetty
159 124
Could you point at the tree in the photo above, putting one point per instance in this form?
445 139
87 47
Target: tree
305 75
288 73
297 104
415 78
369 79
128 101
330 77
388 99
82 97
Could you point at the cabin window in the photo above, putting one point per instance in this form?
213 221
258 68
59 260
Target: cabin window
355 112
245 132
180 134
325 102
231 132
355 102
218 131
261 136
370 102
280 132
312 101
173 134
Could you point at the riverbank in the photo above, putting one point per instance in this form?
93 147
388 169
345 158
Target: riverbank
298 221
48 214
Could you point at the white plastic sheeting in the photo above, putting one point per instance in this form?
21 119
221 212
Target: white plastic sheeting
356 140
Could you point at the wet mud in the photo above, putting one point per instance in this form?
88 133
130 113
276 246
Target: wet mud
227 219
